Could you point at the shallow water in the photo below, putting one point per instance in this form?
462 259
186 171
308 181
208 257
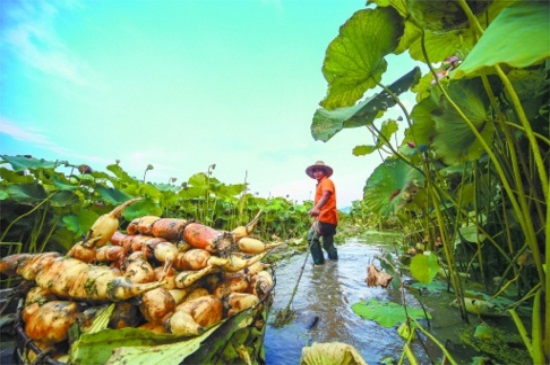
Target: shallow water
329 291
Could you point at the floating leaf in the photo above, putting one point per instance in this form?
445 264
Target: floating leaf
434 286
387 314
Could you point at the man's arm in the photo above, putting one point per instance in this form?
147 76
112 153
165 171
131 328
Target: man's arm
314 212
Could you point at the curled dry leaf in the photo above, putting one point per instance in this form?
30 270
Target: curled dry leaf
331 353
376 277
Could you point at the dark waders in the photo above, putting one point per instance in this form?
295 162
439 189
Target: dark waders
326 232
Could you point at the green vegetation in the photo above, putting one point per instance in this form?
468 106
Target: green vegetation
466 170
45 208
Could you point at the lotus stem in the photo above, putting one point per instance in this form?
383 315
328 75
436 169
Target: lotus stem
439 344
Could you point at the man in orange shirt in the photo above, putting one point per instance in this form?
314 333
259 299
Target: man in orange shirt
325 212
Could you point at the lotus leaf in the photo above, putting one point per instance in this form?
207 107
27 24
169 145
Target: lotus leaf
97 348
424 268
387 314
331 353
354 60
518 37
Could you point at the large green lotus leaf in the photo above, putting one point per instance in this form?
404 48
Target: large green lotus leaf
387 314
61 183
100 175
149 191
15 177
443 16
167 187
519 36
64 199
199 180
192 192
390 186
141 208
422 131
120 173
226 191
111 195
81 223
454 141
200 184
364 150
399 5
24 193
424 268
532 87
326 123
354 60
21 163
411 34
440 46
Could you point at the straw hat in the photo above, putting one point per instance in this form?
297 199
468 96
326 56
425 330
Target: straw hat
319 165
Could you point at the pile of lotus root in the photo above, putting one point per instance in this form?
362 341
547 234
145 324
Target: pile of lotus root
165 275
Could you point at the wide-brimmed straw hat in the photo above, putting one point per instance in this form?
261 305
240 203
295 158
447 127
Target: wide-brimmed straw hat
319 165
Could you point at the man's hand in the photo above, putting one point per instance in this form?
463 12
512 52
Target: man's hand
314 212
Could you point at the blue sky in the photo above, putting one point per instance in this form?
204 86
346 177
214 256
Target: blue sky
179 85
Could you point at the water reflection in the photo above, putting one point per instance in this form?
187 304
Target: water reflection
327 292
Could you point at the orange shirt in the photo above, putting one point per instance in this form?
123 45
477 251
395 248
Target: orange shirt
329 213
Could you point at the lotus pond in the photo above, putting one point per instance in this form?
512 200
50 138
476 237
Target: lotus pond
333 301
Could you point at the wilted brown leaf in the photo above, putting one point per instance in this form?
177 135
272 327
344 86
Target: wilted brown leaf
376 277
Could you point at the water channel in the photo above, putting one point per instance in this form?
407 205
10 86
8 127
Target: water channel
329 291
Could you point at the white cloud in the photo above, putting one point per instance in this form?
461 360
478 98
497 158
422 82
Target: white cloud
30 135
22 134
34 41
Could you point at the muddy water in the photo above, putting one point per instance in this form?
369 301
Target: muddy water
327 292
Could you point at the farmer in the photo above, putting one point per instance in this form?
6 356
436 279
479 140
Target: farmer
325 213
